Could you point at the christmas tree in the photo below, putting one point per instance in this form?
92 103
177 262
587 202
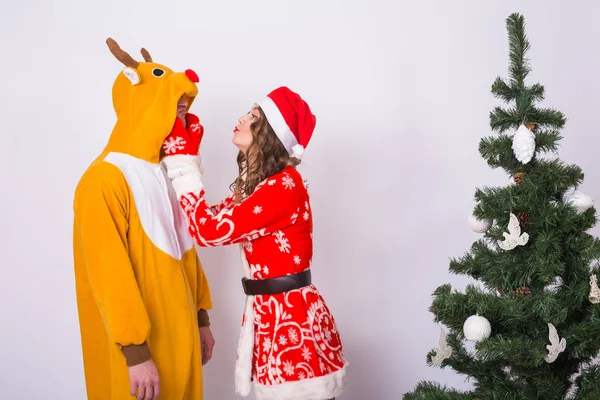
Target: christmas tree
533 318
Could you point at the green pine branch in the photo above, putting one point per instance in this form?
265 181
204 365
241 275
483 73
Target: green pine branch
518 47
498 153
589 383
545 386
522 352
516 90
434 391
582 339
502 119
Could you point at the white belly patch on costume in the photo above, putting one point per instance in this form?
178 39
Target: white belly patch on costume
160 213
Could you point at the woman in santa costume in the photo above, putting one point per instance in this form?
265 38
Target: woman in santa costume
289 342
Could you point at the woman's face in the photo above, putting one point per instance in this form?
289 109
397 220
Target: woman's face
242 134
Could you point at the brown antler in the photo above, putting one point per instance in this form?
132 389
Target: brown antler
121 55
146 55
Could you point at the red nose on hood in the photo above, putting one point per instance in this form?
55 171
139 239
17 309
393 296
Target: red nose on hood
192 75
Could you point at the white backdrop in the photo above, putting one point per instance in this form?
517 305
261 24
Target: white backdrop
394 84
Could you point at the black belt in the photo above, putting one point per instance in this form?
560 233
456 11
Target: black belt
276 285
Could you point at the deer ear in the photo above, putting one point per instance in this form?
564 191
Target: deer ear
132 75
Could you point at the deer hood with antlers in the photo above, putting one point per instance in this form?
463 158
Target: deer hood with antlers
145 96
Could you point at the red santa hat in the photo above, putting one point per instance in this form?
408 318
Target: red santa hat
291 119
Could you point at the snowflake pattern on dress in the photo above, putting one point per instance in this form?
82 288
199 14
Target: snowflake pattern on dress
288 182
304 349
293 336
266 345
258 271
282 241
306 354
288 367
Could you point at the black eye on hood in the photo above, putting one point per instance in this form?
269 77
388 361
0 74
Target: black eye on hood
158 72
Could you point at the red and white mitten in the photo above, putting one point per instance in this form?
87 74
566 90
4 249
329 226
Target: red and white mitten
193 124
182 158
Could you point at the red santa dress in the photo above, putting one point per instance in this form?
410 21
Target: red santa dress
289 342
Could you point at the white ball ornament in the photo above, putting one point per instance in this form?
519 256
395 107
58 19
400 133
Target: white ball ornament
477 328
577 199
479 225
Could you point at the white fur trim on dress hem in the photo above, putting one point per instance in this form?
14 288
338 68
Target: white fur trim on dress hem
185 173
319 388
245 352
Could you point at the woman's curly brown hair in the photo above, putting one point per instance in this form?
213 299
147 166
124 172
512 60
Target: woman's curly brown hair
265 157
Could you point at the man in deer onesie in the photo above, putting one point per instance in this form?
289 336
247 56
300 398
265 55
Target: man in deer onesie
141 291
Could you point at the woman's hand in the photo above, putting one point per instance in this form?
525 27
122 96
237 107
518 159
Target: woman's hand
182 141
182 155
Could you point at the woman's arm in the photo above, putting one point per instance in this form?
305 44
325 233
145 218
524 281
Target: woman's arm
273 205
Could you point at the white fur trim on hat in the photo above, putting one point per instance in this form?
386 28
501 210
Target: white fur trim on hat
281 128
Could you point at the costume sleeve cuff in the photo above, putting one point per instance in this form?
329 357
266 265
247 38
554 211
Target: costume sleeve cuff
136 353
203 320
185 173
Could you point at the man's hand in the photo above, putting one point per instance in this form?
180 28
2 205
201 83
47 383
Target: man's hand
208 342
144 379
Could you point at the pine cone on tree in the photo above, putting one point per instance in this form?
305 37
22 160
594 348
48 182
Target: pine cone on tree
522 291
532 126
523 218
518 177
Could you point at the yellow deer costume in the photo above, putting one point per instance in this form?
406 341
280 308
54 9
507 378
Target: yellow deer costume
141 289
